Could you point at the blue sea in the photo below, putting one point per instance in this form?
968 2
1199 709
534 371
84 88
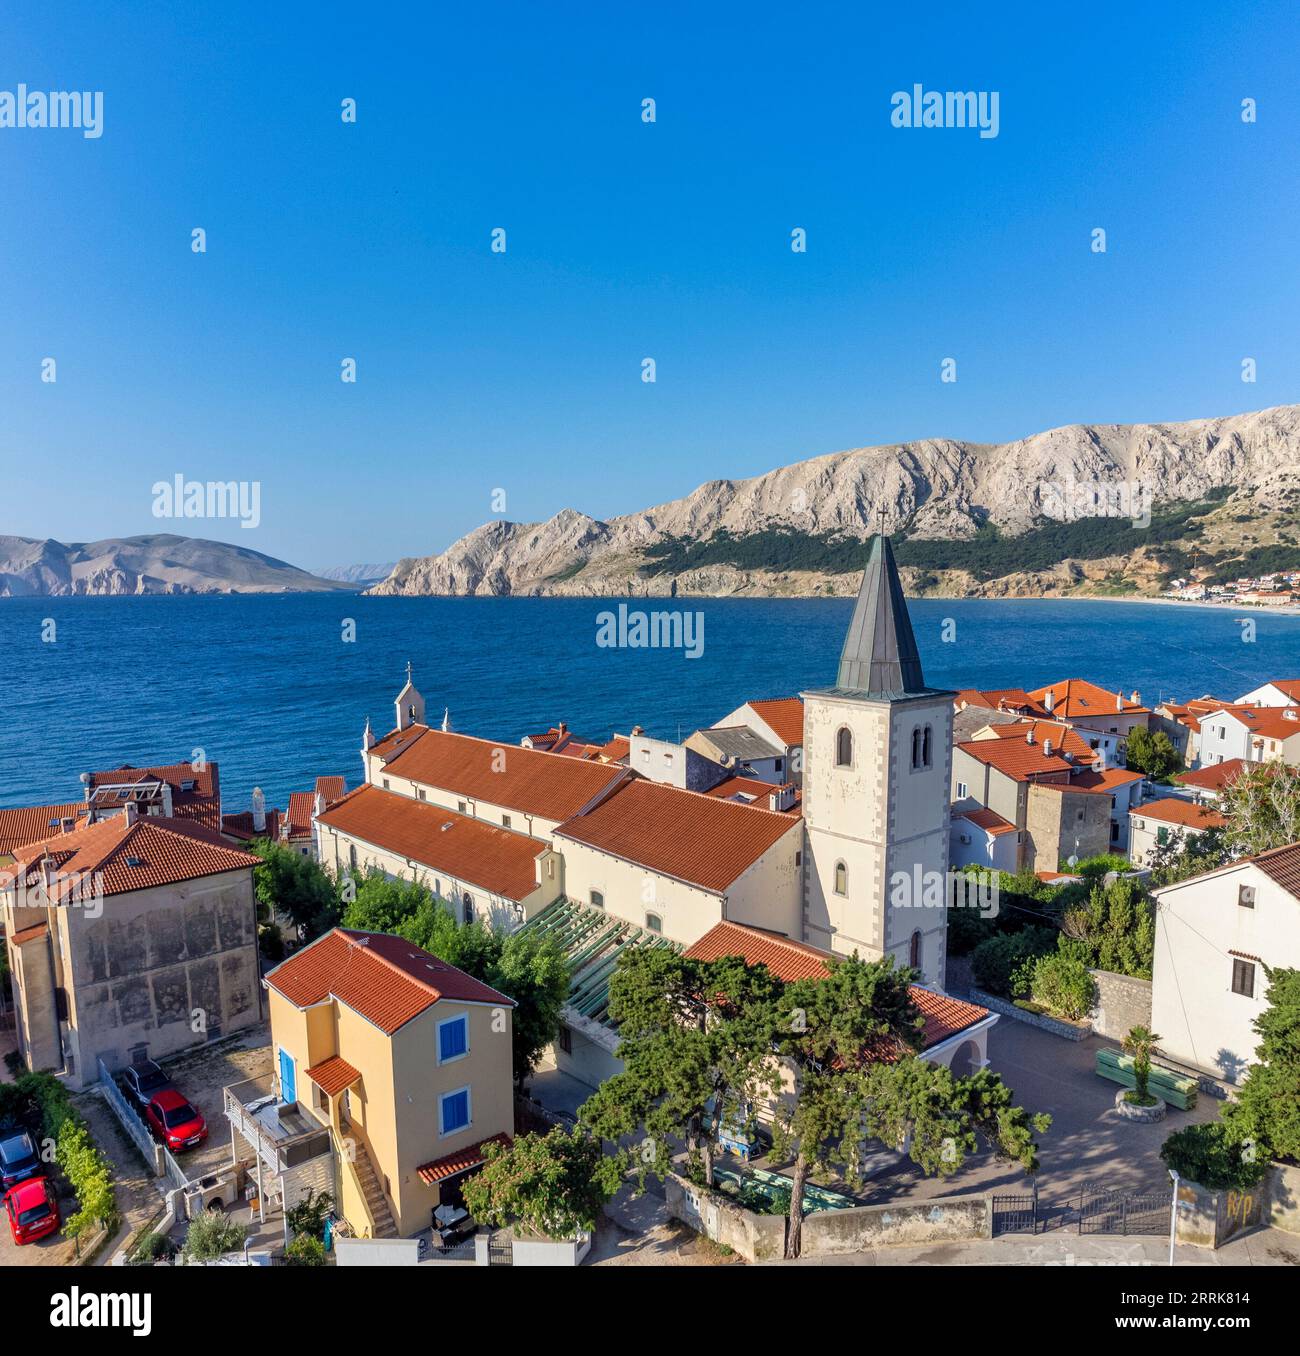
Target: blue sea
269 688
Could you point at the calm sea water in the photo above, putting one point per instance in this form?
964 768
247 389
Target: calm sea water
268 688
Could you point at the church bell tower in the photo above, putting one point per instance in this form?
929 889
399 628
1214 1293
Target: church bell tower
877 755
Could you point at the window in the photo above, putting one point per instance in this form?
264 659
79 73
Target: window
962 791
386 786
421 793
844 747
597 900
841 879
778 764
505 821
925 747
1162 835
467 900
916 747
453 1038
453 1111
798 858
565 1040
1078 815
352 856
1243 978
914 951
550 868
461 806
654 923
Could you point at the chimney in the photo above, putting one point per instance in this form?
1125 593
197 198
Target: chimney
167 799
318 807
85 782
131 812
561 729
259 810
1029 733
367 737
1047 748
1135 697
1119 701
780 798
637 730
1049 701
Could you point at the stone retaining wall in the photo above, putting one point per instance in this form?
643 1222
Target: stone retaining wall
1123 1002
1070 1030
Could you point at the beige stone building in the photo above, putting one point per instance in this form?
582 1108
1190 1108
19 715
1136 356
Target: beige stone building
132 937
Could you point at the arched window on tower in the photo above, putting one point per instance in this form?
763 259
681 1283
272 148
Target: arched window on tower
925 747
841 879
914 952
844 747
916 748
467 900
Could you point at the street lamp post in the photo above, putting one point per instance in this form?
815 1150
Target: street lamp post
1173 1215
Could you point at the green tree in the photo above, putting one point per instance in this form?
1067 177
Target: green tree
1062 984
1266 1112
696 1041
310 1214
1262 807
1185 855
1116 929
381 903
1152 753
554 1184
297 887
305 1250
834 1030
1140 1042
941 1118
533 971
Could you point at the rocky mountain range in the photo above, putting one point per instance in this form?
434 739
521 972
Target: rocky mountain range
973 519
356 574
159 563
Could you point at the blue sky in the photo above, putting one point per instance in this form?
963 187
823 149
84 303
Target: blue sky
522 371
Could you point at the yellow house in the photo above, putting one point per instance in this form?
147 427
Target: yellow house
405 1058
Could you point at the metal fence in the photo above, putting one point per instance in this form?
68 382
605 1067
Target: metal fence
128 1118
1107 1211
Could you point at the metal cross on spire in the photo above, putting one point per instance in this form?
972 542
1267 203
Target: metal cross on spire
882 512
408 670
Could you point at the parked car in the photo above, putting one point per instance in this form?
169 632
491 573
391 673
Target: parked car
18 1160
32 1209
174 1121
143 1081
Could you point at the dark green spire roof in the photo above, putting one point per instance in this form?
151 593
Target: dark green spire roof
880 658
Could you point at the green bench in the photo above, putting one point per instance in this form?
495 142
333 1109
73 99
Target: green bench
1176 1089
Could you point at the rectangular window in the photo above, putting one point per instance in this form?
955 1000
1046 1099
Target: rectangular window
386 786
597 900
1243 978
566 1040
1246 896
421 794
505 821
1162 836
453 1111
453 1038
460 805
962 791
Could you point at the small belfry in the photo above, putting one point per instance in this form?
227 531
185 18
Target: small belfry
877 749
410 704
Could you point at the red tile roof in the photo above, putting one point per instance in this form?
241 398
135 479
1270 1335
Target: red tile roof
1214 777
495 859
240 825
783 716
944 1016
683 834
332 1075
983 818
1290 687
460 1161
753 791
1282 865
526 780
1064 738
202 804
385 979
29 822
1104 781
1078 699
1016 758
1173 810
616 750
999 699
302 805
152 851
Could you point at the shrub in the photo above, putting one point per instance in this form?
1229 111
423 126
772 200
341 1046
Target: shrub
211 1236
1208 1155
1063 985
151 1246
305 1251
996 960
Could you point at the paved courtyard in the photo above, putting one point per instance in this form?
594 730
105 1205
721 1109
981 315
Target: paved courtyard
1088 1141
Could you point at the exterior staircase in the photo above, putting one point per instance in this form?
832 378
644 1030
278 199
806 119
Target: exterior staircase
373 1191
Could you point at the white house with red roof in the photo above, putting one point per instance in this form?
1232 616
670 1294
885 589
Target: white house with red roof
131 937
1215 934
1278 692
979 836
1167 823
1107 718
778 721
1255 734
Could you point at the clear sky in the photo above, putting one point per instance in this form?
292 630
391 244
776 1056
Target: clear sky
625 240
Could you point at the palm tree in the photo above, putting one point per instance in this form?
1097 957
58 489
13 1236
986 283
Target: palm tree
1140 1042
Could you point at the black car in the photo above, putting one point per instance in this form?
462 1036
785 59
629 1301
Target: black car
18 1160
143 1082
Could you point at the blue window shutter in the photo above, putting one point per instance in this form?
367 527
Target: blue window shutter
453 1038
455 1111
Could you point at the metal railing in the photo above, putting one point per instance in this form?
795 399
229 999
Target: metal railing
130 1120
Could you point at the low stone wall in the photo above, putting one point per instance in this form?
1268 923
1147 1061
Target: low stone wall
1209 1219
1070 1030
946 1220
828 1233
757 1238
1283 1183
1123 1002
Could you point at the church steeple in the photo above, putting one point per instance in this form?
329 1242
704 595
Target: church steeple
880 658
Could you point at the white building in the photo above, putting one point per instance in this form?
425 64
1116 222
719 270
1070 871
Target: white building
1168 822
979 836
1279 692
1214 936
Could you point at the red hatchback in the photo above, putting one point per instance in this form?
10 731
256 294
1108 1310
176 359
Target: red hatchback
32 1209
174 1121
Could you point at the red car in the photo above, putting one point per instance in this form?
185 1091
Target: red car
32 1209
174 1121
